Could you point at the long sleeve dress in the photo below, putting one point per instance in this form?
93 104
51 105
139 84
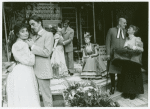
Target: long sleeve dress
58 58
22 87
131 76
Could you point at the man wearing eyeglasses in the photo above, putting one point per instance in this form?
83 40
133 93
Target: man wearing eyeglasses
68 34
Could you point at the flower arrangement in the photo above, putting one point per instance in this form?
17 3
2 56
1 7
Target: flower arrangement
87 95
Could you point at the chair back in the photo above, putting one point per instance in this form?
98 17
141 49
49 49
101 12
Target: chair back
102 52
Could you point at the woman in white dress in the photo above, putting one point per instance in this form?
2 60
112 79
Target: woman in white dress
22 88
58 58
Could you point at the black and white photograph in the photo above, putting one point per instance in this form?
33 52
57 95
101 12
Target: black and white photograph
74 53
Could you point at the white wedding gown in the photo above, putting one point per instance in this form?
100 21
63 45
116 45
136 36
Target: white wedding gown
22 87
58 58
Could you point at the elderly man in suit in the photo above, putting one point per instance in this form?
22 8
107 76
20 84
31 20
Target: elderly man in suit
41 45
115 39
68 34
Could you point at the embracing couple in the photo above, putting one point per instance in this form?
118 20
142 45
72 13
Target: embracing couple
24 80
129 75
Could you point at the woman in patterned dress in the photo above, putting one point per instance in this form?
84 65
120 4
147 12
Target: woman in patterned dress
93 66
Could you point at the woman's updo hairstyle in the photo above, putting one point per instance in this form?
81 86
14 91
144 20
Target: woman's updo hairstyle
87 35
53 29
16 30
14 37
18 27
135 28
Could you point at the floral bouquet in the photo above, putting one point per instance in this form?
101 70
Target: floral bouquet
87 95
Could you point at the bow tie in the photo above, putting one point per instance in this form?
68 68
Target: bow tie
119 33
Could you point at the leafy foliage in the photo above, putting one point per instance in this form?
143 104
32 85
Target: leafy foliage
15 7
88 95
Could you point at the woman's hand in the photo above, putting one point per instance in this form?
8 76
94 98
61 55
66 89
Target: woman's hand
130 46
30 42
90 56
86 57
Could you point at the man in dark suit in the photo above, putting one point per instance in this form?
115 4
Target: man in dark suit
115 38
68 34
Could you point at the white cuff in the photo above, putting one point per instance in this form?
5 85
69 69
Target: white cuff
32 47
63 43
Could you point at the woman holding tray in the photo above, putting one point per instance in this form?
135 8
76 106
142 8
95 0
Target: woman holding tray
131 76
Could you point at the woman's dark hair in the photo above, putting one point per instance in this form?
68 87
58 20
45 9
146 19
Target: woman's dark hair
135 28
53 29
14 37
59 25
47 29
36 18
26 21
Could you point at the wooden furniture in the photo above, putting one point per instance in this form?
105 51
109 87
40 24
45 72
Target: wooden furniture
102 53
78 52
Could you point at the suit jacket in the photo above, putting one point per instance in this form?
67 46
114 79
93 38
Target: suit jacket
42 50
68 37
113 42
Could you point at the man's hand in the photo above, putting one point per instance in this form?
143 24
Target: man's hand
108 57
30 43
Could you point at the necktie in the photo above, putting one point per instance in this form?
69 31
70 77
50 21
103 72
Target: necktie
119 30
122 34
